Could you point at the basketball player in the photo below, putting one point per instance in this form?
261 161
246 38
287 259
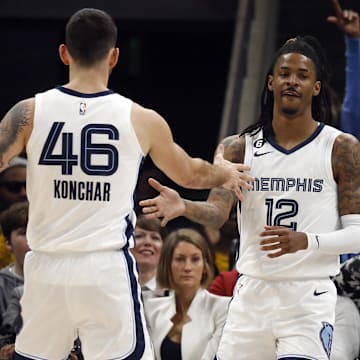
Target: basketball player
302 213
84 145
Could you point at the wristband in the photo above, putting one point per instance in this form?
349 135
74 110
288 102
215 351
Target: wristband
313 241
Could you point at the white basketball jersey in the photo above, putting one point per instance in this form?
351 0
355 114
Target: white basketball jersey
293 188
84 159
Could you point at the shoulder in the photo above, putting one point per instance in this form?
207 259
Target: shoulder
345 142
216 301
345 153
141 113
23 111
154 305
234 148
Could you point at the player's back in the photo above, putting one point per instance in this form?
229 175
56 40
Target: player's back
84 159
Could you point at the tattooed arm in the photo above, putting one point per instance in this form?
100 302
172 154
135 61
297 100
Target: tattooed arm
213 212
346 168
15 129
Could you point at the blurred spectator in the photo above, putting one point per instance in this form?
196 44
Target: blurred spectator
224 283
11 324
348 280
186 324
149 237
348 22
225 242
12 190
13 222
346 340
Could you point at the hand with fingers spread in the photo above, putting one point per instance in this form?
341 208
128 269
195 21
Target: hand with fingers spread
239 179
282 239
346 20
167 205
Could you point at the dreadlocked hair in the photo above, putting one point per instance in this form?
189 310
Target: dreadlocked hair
322 104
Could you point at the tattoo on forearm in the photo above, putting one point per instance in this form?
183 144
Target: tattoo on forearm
215 211
346 163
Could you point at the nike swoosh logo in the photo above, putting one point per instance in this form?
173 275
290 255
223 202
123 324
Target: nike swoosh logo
256 153
317 293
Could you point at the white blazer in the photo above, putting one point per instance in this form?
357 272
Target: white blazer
200 336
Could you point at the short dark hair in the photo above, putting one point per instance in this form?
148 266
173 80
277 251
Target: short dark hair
15 217
151 225
164 276
90 34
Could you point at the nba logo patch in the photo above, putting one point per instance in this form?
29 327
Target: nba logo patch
82 108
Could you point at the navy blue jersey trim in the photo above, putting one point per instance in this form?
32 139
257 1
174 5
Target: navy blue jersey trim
297 147
83 95
18 356
296 357
140 338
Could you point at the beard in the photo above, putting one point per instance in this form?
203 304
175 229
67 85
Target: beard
289 111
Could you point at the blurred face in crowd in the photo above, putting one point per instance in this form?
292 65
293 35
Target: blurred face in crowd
187 266
12 186
18 245
294 83
148 247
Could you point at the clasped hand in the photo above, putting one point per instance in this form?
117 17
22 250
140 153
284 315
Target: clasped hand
282 239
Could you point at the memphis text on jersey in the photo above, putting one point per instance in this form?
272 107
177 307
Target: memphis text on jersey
288 184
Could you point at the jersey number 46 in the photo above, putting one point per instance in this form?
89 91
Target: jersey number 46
66 158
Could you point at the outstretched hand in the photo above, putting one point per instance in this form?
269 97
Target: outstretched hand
346 20
167 205
238 180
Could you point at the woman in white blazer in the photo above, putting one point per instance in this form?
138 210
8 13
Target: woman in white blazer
187 324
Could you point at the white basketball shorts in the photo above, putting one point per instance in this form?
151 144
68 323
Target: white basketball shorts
271 320
94 296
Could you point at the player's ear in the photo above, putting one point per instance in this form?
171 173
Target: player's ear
270 82
64 54
317 88
114 57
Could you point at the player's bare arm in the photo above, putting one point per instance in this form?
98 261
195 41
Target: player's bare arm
346 170
156 139
15 129
214 212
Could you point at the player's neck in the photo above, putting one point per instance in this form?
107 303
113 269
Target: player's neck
291 132
89 80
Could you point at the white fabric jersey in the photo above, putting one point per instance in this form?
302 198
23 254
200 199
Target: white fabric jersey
293 188
84 159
